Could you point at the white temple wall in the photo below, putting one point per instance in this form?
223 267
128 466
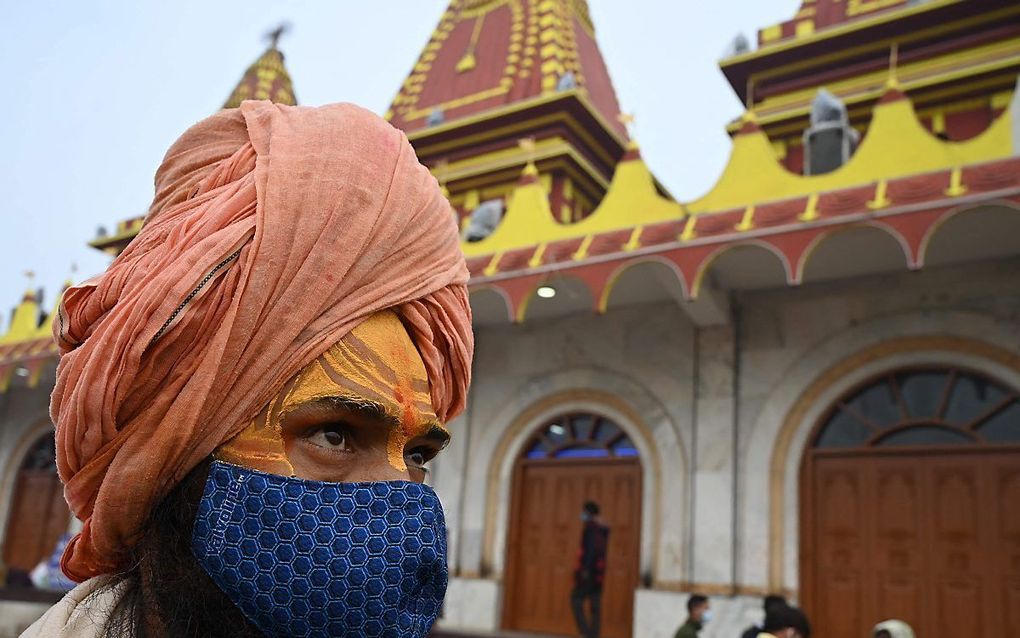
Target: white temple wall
708 527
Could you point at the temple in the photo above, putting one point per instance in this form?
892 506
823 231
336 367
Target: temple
804 381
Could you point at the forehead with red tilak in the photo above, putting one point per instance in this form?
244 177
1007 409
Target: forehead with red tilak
376 362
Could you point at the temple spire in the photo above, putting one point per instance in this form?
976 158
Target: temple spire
486 54
267 78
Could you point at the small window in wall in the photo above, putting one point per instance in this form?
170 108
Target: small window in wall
579 435
921 407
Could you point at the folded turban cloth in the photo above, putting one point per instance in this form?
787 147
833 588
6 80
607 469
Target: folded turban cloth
274 231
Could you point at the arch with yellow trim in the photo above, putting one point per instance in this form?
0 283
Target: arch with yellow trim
822 238
1006 207
713 257
650 261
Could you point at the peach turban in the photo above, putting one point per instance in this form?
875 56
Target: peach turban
274 231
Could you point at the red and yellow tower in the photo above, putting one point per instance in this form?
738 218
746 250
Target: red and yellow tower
496 72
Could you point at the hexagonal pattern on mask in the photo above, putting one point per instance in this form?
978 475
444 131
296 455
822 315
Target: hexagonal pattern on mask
308 558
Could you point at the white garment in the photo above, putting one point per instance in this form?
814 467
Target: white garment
83 612
896 629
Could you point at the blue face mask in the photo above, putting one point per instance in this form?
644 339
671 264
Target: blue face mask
307 558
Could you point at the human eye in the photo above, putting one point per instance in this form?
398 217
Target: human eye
335 437
419 456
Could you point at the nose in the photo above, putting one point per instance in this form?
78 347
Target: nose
382 470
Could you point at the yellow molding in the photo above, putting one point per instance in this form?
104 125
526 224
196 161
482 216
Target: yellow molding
1001 99
415 114
500 184
747 220
956 185
771 34
516 157
635 239
536 259
493 266
515 131
688 232
879 200
857 103
565 214
582 250
522 105
810 209
1004 54
779 148
857 7
839 30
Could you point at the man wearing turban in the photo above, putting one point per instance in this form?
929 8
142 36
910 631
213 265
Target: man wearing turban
247 398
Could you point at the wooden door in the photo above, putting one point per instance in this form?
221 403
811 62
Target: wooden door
909 506
931 538
39 514
545 534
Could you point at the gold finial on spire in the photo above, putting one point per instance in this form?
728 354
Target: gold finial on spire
894 59
275 35
30 294
527 145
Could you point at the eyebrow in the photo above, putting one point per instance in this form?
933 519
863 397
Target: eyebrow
370 411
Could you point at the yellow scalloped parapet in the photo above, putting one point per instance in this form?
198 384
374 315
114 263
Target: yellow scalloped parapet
896 145
631 200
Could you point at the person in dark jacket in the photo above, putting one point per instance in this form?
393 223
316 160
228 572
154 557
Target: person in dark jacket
590 571
784 621
698 614
771 602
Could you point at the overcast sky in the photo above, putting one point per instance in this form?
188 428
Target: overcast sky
95 91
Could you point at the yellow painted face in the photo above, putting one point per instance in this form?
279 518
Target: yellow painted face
360 412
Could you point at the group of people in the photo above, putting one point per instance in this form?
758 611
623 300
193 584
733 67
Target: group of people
782 620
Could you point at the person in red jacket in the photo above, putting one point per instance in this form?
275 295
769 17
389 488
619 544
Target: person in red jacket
590 571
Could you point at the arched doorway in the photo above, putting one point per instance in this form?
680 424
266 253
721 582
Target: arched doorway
39 514
908 506
569 460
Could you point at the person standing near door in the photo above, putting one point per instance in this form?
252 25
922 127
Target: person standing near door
772 601
785 621
590 571
699 612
